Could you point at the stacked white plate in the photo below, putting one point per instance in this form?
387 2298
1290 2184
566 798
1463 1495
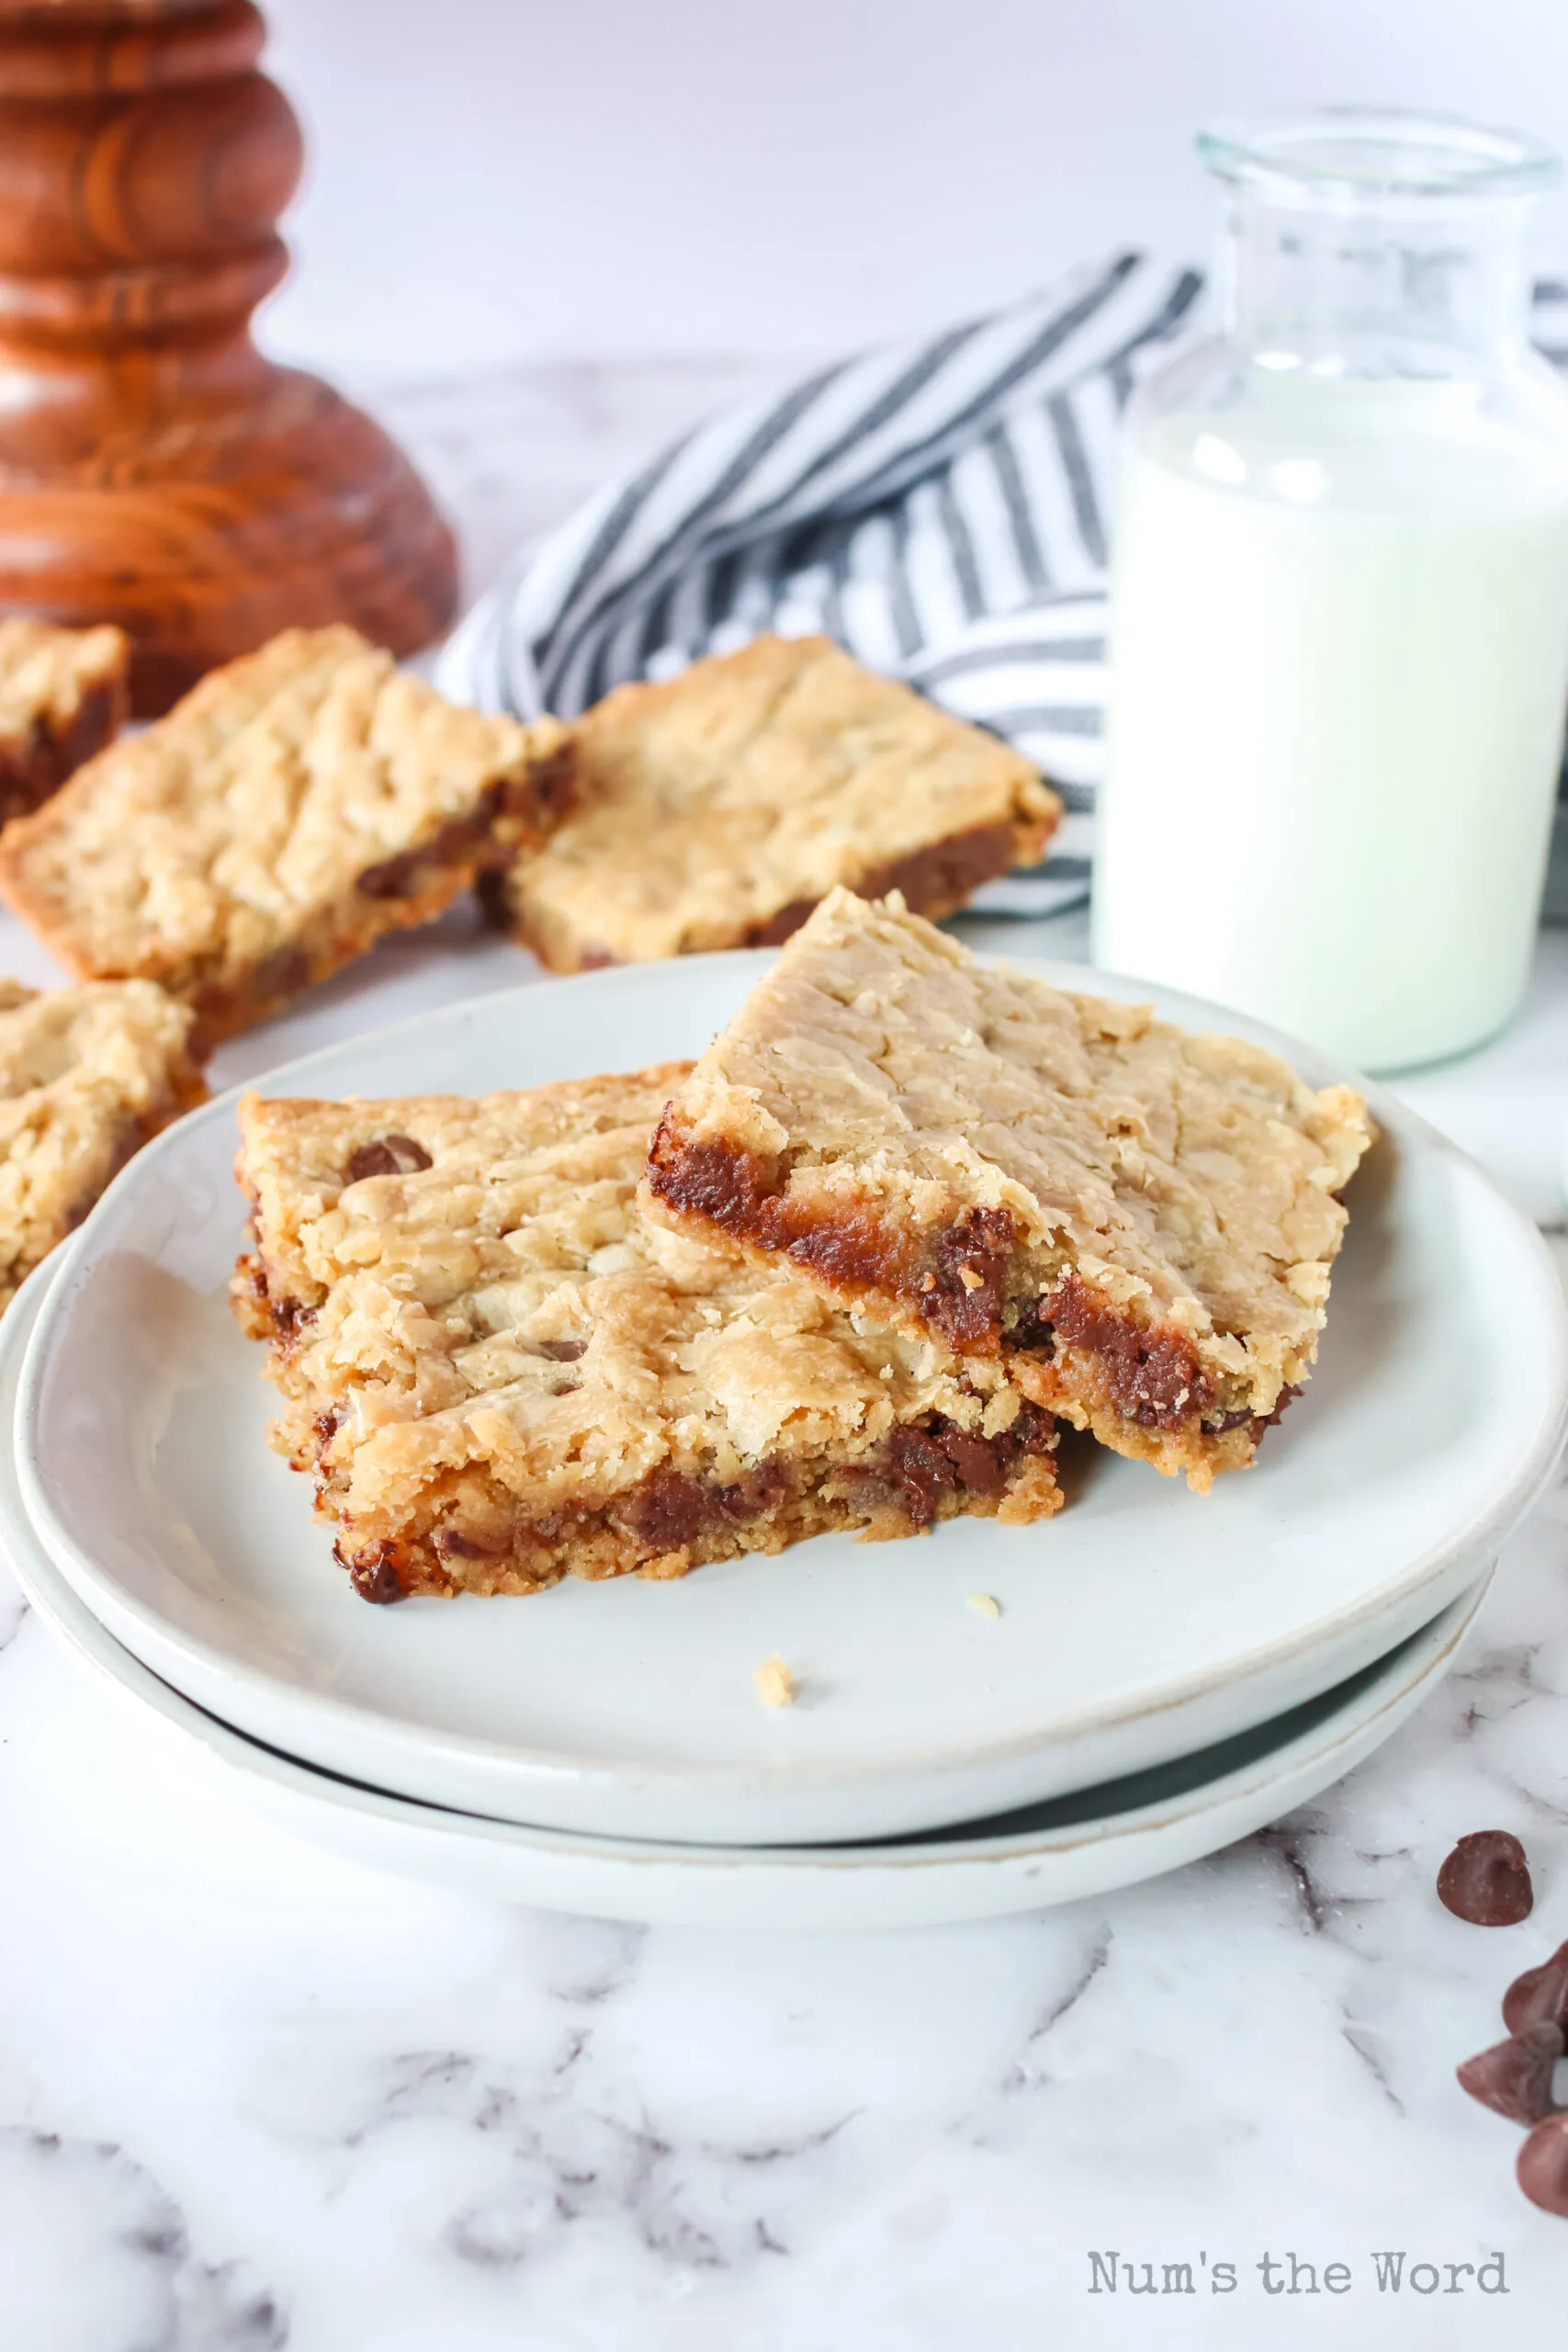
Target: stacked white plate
1167 1672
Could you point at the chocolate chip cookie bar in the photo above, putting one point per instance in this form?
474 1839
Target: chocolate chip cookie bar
295 806
87 1076
62 697
717 808
498 1375
1136 1224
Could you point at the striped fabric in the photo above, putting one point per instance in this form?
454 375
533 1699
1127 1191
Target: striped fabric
941 507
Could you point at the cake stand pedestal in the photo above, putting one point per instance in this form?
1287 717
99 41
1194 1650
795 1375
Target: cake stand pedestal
154 468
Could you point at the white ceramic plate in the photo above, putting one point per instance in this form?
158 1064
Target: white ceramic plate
1078 1846
1141 1624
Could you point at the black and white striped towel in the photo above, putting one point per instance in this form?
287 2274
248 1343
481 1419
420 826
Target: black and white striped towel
940 506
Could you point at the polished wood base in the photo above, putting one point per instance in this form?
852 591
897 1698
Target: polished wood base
155 470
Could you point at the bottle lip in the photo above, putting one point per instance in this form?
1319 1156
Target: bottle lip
1352 153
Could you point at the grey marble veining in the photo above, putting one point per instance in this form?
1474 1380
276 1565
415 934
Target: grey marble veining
252 2096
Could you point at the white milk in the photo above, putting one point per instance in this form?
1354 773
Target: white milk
1338 684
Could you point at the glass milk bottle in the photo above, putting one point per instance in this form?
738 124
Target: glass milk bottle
1339 607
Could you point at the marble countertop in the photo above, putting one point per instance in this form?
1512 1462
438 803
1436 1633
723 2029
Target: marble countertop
252 2096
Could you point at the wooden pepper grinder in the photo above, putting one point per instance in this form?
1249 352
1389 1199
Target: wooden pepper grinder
154 468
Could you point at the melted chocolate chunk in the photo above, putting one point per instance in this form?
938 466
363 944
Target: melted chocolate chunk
451 1546
459 841
760 1491
956 1276
944 874
970 1263
1152 1371
734 1188
934 880
1543 2166
915 1464
781 926
549 784
283 973
1260 1421
1487 1880
921 1462
562 1351
1540 1996
667 1511
1033 1328
32 769
976 1461
1514 2077
387 1156
394 878
374 1574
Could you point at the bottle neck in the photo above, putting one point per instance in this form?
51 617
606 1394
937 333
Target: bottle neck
1424 287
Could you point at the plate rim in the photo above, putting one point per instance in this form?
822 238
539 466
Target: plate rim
1478 1541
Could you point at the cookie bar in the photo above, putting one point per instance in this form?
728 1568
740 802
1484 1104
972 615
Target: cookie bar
500 1375
62 697
1136 1222
87 1075
295 806
716 810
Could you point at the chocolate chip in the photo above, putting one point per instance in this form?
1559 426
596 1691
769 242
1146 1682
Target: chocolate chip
666 1511
387 1156
1543 2166
562 1351
283 973
1540 1995
1487 1880
374 1574
452 1546
1514 2077
394 878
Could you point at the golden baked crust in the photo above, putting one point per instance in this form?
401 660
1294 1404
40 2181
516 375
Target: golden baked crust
295 806
715 810
501 1375
87 1075
1138 1222
62 697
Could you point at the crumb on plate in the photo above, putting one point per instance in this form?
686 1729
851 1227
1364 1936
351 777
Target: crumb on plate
775 1683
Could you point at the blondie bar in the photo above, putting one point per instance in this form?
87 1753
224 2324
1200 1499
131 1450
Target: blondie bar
295 806
87 1075
1136 1222
498 1375
716 810
62 697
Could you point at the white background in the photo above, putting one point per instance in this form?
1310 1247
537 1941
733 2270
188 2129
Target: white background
497 181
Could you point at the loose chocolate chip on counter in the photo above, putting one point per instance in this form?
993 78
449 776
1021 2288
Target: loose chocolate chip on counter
1543 2166
1540 1995
1515 2077
1487 1880
387 1156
